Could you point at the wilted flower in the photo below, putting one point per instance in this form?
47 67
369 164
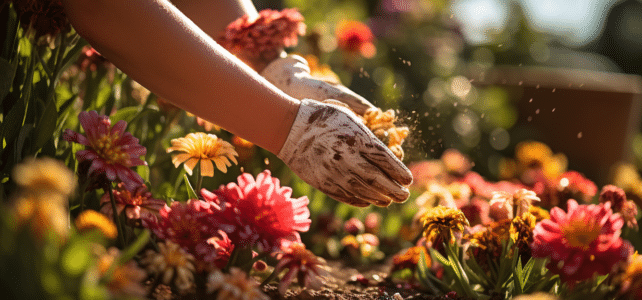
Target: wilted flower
584 241
109 151
138 203
187 224
91 219
172 265
443 224
629 213
203 148
265 36
521 232
125 279
302 264
613 194
260 211
382 124
410 258
234 286
355 37
632 285
505 206
573 185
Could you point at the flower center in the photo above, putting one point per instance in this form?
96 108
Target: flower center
106 147
580 234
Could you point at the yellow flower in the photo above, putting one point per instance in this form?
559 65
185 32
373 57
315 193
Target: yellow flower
539 213
203 148
521 232
44 175
443 222
91 219
632 284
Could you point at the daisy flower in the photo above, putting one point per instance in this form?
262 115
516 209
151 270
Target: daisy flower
302 264
205 149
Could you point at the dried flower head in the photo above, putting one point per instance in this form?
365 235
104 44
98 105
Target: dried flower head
443 224
44 176
521 232
613 194
234 286
629 213
355 37
488 239
410 258
125 279
382 124
583 241
260 211
302 264
172 264
109 151
265 36
503 204
203 148
91 219
138 203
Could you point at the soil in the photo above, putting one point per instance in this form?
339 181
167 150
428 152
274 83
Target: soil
345 283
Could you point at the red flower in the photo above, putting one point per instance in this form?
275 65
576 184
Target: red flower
109 151
581 242
216 251
302 264
47 17
613 194
265 36
138 203
485 189
260 211
355 37
188 224
573 185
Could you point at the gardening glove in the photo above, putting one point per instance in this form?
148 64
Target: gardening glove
291 74
330 148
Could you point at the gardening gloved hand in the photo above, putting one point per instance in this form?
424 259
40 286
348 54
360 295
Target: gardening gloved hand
291 74
329 148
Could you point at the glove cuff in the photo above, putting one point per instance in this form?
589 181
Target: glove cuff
298 130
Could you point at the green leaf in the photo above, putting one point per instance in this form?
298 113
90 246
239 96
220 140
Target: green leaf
12 123
422 274
7 73
46 125
126 114
190 191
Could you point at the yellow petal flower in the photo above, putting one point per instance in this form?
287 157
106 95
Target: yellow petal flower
204 148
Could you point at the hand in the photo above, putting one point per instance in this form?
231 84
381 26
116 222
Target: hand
329 148
291 74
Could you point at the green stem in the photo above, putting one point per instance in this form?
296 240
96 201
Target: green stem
273 275
199 183
232 260
119 226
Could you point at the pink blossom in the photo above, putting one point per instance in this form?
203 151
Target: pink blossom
302 264
109 151
584 241
138 204
573 185
260 211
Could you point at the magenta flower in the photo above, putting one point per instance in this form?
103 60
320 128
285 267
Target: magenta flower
216 251
109 151
260 211
138 204
573 185
302 264
584 241
189 225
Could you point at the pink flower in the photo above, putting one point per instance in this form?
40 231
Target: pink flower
216 251
354 226
138 204
584 241
485 189
188 224
264 36
260 211
477 211
302 264
109 151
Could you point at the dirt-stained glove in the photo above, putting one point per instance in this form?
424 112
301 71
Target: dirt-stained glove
291 74
331 149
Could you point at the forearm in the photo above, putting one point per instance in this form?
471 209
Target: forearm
154 43
212 16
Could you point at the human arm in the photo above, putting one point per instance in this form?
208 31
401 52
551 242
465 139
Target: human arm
154 43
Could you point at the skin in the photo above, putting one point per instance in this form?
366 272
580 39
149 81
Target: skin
147 41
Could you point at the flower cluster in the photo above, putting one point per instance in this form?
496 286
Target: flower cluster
382 124
265 36
355 37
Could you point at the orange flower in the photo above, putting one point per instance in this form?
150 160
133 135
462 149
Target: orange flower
355 37
443 223
203 148
91 219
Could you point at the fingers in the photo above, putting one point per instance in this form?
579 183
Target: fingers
347 96
347 198
380 156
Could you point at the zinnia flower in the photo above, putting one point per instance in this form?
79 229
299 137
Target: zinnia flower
263 37
138 204
613 194
302 264
573 185
91 219
109 151
215 252
443 224
410 258
187 224
260 211
505 203
456 162
203 148
355 37
172 265
632 278
234 286
581 242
